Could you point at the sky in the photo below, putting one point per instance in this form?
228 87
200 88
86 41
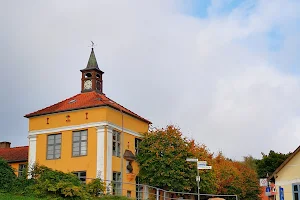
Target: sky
225 71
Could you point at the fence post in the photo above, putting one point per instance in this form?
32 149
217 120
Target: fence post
157 193
164 195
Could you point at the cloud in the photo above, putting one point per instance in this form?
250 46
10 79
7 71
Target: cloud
215 77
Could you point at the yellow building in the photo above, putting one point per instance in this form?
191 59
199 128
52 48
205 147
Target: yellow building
16 157
88 134
287 177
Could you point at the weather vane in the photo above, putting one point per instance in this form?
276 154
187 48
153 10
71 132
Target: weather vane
93 44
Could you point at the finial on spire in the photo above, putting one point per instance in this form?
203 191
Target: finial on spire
92 45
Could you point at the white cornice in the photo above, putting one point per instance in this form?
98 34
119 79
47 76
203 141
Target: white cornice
82 126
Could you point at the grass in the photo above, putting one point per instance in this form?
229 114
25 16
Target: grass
7 196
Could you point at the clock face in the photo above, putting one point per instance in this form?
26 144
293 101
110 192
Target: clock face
88 84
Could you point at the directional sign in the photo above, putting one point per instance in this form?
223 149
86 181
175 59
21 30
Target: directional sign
281 193
192 159
202 163
204 167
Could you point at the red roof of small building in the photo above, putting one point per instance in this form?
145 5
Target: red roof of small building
82 101
15 154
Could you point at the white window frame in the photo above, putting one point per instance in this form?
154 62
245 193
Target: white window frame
80 142
54 148
116 143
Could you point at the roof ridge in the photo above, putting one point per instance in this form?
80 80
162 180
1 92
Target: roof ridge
18 147
52 105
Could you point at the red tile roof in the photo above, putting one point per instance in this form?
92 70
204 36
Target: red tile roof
84 100
15 154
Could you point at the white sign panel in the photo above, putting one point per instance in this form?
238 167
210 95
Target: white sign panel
204 167
192 159
198 178
202 163
263 182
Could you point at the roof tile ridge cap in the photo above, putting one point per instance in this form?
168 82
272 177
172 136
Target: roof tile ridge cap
19 147
53 104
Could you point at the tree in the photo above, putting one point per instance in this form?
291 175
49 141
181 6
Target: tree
7 176
250 162
269 163
162 159
208 178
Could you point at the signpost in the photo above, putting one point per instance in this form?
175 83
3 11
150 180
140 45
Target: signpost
263 182
200 165
268 191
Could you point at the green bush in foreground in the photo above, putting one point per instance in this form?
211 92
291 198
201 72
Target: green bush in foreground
7 176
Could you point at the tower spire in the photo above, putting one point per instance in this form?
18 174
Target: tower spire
91 75
92 63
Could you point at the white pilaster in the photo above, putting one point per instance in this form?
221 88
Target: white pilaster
109 154
32 153
100 152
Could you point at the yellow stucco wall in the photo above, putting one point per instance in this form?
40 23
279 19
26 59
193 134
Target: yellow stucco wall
77 117
67 163
287 176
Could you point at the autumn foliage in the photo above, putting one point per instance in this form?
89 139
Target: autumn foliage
162 158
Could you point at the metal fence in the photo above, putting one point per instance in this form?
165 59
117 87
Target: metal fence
143 192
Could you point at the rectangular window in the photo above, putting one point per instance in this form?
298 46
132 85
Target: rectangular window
54 146
138 188
81 175
128 193
80 143
116 143
137 142
22 167
117 184
296 191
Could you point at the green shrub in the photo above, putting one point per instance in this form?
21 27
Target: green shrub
54 184
95 187
7 176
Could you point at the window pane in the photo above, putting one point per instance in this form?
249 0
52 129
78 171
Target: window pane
83 133
83 152
76 138
76 148
295 187
50 156
50 148
83 144
75 153
57 155
57 152
76 144
50 137
83 148
57 147
83 174
58 138
50 141
114 136
296 196
76 134
118 136
83 137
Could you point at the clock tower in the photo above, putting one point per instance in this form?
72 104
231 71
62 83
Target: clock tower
92 76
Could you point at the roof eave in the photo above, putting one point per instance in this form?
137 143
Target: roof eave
284 163
35 115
